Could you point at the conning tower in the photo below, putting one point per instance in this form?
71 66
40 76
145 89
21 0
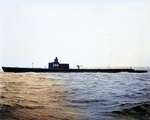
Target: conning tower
57 65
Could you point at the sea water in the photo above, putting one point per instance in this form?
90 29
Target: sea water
99 94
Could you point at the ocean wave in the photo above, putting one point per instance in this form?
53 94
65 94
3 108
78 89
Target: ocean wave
140 111
31 96
85 101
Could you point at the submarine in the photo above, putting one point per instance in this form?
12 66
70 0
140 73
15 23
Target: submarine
55 66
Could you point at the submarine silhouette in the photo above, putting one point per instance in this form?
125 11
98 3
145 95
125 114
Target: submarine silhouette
64 67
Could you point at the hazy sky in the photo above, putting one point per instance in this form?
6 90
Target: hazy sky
92 33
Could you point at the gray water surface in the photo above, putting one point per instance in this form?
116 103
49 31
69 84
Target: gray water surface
99 94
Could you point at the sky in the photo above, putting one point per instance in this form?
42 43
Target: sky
92 33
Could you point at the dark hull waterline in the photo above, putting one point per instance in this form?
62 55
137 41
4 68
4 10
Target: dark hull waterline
16 69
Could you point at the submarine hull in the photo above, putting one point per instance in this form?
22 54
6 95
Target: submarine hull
17 70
